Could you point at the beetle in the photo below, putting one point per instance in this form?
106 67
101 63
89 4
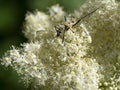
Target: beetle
62 28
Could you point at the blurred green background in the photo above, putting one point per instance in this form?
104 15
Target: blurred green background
12 14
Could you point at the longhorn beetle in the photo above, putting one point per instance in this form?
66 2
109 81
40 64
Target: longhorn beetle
62 28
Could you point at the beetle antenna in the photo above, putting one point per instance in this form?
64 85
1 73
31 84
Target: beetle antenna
85 16
65 18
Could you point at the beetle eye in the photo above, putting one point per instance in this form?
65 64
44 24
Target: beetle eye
72 22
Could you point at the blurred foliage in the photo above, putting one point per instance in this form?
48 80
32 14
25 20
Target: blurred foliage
12 14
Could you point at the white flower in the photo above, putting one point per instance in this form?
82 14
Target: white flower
88 59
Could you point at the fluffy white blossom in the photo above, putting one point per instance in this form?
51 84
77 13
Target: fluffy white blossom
88 59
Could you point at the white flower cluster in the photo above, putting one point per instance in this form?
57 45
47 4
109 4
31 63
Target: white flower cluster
88 59
104 28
